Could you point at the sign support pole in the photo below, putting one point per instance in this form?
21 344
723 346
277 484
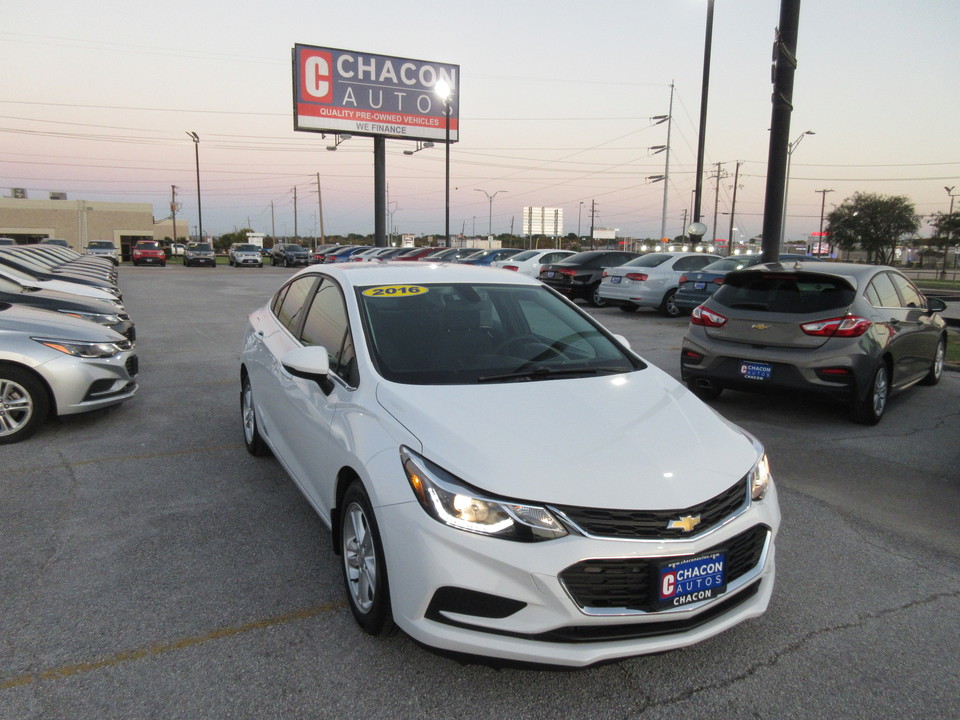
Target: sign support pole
380 190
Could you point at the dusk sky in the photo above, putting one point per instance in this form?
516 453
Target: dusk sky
96 100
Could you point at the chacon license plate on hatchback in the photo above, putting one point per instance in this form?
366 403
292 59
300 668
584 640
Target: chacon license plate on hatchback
756 370
692 580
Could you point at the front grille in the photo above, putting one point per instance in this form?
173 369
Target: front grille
630 583
653 524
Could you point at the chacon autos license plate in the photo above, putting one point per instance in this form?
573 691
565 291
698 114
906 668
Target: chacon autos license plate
756 370
692 580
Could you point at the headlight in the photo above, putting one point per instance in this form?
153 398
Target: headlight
101 318
760 478
452 502
82 349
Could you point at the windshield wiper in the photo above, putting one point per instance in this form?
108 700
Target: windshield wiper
542 372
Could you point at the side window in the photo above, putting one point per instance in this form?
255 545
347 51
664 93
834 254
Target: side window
908 293
326 325
291 306
882 293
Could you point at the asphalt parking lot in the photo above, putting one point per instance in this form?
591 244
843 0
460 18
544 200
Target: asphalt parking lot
153 569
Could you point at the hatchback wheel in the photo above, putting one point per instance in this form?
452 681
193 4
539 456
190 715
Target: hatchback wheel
936 367
251 435
869 410
364 566
23 405
669 305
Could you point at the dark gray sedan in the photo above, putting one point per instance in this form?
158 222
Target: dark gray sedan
854 332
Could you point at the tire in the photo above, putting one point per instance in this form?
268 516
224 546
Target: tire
286 263
869 409
248 416
704 393
364 565
594 298
936 367
24 405
668 307
629 307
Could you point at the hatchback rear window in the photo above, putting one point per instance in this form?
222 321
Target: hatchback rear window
795 293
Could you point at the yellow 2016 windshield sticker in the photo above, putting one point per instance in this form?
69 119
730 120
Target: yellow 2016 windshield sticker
395 291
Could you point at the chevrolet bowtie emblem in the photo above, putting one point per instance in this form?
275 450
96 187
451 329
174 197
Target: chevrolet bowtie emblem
687 523
760 326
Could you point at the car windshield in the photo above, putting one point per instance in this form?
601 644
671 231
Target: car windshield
525 255
732 263
455 334
648 261
101 245
293 248
788 293
247 248
148 246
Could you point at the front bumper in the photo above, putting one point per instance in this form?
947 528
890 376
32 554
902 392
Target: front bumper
82 384
248 260
465 593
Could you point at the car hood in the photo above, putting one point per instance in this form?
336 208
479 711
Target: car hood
637 440
49 323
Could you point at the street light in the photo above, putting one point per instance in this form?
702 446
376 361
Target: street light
340 137
490 198
196 152
443 90
786 185
420 146
952 196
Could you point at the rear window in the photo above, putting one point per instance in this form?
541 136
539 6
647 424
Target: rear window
651 260
795 293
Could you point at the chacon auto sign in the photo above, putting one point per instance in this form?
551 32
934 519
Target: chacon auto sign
342 91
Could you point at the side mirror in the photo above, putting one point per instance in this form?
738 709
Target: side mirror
310 363
936 305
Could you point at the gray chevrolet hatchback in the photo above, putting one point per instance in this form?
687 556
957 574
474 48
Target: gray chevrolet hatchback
853 332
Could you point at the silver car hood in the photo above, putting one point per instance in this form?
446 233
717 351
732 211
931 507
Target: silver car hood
636 440
51 324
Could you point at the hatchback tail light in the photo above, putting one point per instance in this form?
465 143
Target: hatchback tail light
707 318
640 277
846 326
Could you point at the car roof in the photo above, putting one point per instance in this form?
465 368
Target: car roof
405 273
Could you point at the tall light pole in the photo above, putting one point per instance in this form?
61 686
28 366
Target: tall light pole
952 196
823 207
443 90
490 199
786 183
196 152
704 93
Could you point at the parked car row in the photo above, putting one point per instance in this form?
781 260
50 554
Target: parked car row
66 342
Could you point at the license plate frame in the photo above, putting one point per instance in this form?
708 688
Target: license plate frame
753 370
699 285
691 580
615 279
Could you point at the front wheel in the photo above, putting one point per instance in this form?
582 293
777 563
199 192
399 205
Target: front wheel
23 405
251 434
936 367
869 409
364 565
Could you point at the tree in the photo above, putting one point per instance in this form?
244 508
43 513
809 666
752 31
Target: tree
875 223
947 229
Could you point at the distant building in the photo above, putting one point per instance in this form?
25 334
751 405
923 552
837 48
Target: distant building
80 221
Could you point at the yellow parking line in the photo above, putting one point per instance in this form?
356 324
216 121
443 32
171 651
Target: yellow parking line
140 653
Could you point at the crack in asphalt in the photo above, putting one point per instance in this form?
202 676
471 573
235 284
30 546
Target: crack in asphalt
791 648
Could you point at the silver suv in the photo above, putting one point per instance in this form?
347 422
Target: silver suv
242 254
103 248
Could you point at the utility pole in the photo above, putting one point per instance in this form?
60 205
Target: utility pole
666 167
716 198
323 236
593 212
295 233
823 205
273 222
733 207
173 210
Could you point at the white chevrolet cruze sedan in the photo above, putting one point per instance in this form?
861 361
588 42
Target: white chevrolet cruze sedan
481 451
